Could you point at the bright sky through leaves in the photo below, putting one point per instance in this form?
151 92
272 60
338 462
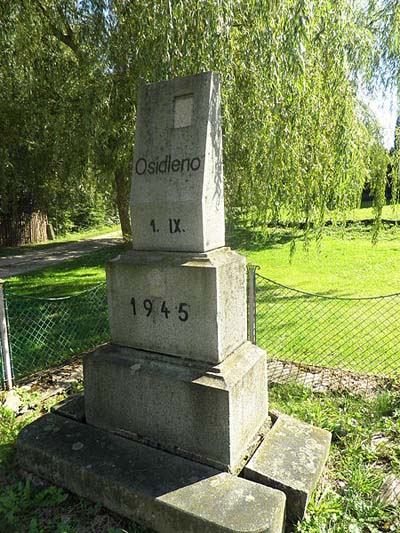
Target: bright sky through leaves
384 106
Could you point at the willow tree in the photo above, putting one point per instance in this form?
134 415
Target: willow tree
382 20
45 134
297 144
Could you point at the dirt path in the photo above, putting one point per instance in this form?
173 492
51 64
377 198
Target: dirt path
14 265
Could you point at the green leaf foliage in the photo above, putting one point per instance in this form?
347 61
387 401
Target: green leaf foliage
298 143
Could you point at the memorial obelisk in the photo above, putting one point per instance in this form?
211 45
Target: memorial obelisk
176 406
180 374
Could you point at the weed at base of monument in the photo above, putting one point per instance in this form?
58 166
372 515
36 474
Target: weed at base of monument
365 449
24 507
366 437
21 498
31 505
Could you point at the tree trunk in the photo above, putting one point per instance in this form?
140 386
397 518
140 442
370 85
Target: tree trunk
122 187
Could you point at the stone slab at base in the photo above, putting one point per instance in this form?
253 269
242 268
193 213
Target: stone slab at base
291 459
188 305
72 407
162 491
211 414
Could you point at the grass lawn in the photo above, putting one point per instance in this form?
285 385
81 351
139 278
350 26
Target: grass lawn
389 212
66 278
43 332
365 449
358 335
366 432
344 263
361 336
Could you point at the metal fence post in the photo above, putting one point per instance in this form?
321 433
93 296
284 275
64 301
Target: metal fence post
251 308
5 345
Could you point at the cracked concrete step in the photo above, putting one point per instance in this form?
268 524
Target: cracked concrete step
165 492
291 459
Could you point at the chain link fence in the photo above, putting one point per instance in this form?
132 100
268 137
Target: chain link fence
311 335
45 331
316 339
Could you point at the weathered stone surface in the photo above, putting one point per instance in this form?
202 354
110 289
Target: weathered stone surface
162 491
73 407
389 493
10 400
212 414
192 306
177 187
291 459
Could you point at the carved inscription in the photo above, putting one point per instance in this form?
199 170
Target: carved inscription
174 226
147 307
167 165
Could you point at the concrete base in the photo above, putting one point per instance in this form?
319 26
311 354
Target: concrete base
187 305
211 414
162 491
291 459
170 493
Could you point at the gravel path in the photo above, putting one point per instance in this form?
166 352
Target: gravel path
14 265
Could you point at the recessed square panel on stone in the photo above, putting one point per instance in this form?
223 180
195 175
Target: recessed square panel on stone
177 200
183 111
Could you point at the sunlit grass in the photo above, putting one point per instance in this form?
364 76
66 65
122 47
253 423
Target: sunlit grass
345 262
65 278
365 449
347 498
360 336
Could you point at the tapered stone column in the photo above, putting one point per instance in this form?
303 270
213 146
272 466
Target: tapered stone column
176 405
179 374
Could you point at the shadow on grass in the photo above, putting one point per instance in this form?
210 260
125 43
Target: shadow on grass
254 239
68 239
6 251
272 292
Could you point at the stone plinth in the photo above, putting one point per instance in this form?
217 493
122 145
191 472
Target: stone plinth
164 492
291 459
178 403
177 198
213 415
187 305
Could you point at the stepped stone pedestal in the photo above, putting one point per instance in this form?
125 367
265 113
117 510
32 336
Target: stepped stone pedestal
188 305
176 406
215 415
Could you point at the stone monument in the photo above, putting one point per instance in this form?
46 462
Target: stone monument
176 406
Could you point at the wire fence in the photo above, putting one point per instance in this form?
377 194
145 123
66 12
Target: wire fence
318 339
43 332
314 332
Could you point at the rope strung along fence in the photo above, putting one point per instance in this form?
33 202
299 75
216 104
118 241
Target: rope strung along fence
352 334
45 331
